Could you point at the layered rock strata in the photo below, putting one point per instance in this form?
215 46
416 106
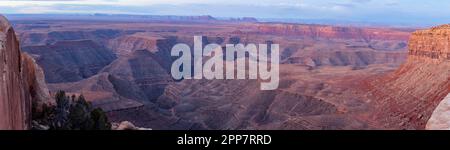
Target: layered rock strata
408 97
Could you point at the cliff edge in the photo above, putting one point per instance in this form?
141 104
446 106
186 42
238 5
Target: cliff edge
21 82
407 98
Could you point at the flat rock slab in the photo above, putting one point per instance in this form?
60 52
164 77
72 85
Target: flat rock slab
440 120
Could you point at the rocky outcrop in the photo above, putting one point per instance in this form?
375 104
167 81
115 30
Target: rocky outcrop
408 97
440 120
126 125
21 82
127 44
36 83
431 45
103 91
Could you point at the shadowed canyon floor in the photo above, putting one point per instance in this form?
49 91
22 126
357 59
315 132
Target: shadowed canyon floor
331 77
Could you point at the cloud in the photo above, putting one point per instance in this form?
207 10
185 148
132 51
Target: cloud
392 4
342 5
359 10
361 1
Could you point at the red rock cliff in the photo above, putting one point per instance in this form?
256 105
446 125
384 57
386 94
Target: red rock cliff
323 31
21 82
407 98
430 45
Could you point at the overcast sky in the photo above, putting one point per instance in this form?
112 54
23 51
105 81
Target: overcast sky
409 11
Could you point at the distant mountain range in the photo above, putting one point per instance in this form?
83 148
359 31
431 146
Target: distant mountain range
206 18
125 17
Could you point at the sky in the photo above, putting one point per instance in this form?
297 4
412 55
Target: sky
377 11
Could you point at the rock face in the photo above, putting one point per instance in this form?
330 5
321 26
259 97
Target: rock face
21 82
323 31
440 120
431 45
408 97
126 125
126 44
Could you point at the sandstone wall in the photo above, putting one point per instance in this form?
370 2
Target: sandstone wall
430 45
408 97
21 82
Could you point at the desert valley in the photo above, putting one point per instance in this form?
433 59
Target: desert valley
331 77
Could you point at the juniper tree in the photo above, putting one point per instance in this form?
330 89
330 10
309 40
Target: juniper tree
61 119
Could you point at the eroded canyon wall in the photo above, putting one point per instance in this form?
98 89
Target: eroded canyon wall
21 82
430 45
323 31
408 97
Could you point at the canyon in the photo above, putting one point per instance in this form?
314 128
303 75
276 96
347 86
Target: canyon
331 77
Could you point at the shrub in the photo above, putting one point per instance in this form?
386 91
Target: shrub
72 113
100 120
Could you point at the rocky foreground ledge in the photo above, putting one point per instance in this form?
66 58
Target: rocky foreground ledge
440 120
